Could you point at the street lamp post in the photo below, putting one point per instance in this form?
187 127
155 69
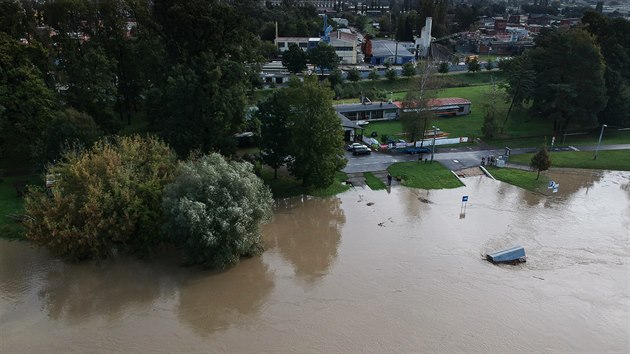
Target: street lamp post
601 133
433 147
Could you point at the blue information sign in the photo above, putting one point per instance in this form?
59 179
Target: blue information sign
464 198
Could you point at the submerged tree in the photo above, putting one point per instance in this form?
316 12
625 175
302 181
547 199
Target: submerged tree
541 160
214 209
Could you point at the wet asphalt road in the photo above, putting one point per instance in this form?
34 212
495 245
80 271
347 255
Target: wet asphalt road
452 158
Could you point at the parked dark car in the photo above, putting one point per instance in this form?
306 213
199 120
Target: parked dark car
362 150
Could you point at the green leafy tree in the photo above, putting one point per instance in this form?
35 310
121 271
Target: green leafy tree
612 37
490 125
473 65
26 104
521 79
408 69
354 75
568 91
316 137
91 86
335 78
323 56
373 75
541 160
390 74
69 128
294 59
214 93
214 209
105 199
274 115
443 69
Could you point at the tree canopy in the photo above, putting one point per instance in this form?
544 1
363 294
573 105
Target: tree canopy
541 161
294 59
315 151
214 209
104 199
324 57
567 86
613 37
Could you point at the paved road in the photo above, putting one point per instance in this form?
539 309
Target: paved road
452 158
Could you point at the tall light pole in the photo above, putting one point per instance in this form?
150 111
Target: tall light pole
433 147
601 133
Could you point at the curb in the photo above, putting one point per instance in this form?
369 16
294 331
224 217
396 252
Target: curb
487 173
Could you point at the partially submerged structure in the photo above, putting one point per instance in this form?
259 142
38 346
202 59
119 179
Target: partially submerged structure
515 254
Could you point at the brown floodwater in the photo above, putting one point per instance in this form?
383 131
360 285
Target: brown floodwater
367 271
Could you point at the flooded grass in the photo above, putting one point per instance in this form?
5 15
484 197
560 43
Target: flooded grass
286 186
523 179
424 175
373 182
606 160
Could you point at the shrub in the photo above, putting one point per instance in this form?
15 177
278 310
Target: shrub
373 75
354 75
104 200
408 69
214 209
443 67
390 74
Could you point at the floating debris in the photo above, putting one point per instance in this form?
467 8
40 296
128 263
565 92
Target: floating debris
512 255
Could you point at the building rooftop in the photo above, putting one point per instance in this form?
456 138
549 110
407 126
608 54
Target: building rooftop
385 48
359 107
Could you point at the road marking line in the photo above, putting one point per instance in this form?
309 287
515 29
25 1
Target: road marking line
573 148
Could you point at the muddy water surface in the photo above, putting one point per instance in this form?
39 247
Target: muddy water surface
364 272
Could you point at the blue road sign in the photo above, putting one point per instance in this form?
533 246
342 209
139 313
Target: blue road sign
464 198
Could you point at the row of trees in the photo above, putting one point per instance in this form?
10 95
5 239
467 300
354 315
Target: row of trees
561 79
130 195
112 60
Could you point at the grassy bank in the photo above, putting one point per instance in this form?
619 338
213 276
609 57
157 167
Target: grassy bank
606 160
424 175
286 186
524 179
373 182
12 204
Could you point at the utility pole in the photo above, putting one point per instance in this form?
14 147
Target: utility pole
433 147
601 133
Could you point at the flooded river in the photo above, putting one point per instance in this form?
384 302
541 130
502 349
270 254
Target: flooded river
398 271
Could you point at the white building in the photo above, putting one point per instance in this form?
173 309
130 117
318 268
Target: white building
345 44
423 43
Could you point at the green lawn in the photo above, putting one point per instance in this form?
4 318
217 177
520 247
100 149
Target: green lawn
524 179
610 137
373 182
424 175
469 125
606 160
287 186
